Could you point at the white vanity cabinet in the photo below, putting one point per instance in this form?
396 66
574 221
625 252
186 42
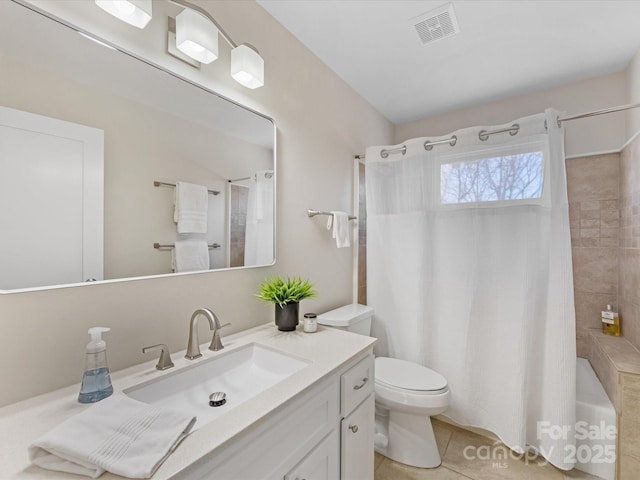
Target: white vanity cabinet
358 422
357 442
326 433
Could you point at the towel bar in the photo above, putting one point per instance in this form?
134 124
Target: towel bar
165 184
159 246
313 213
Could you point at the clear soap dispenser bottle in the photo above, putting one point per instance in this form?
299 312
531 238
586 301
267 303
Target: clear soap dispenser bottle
96 382
610 322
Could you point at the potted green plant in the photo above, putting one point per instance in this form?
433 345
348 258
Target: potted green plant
286 294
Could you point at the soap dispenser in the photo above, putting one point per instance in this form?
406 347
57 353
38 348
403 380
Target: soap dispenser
610 322
96 382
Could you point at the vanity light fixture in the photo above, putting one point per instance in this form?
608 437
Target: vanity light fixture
196 36
133 12
247 66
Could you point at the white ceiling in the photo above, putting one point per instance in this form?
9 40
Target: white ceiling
504 48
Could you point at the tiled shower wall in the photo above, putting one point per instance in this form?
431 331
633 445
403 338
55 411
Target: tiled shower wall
629 294
604 211
237 224
593 185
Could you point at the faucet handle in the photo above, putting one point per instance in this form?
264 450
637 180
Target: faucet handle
216 343
164 361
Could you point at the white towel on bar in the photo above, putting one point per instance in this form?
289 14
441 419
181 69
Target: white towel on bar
341 230
190 255
191 205
119 435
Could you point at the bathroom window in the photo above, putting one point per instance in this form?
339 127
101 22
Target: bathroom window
493 177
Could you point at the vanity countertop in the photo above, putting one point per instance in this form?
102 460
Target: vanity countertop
328 350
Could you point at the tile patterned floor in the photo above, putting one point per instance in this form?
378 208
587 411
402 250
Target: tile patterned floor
451 443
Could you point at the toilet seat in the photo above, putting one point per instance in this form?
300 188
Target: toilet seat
399 375
409 387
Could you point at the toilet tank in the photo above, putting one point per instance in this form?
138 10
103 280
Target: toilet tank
353 318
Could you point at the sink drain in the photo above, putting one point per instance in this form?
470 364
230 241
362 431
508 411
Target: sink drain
217 399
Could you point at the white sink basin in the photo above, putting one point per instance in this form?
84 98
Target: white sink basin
241 374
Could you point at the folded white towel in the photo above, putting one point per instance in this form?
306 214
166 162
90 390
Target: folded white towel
341 230
119 434
191 204
190 255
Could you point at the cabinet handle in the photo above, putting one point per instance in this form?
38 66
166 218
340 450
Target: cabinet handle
353 428
364 382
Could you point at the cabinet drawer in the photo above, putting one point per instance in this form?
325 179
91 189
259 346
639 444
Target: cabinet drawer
323 463
356 384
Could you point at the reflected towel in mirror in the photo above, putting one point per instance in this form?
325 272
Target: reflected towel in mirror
191 205
190 256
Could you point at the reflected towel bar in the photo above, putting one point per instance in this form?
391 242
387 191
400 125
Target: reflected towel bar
165 184
313 213
159 246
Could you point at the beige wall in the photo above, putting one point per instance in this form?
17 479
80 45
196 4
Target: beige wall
321 124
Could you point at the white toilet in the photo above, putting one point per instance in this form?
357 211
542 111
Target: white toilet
406 394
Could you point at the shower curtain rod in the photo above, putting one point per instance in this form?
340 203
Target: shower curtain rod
483 133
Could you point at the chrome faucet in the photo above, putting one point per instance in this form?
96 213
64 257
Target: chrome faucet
164 361
193 346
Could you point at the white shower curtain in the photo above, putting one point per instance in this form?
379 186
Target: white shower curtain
470 274
258 245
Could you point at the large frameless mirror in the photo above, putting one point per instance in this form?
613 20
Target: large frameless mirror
93 142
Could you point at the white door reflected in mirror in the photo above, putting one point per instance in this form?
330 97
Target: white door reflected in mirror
51 181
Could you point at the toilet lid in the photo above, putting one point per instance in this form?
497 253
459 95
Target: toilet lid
408 375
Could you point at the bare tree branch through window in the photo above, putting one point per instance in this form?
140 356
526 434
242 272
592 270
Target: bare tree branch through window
512 177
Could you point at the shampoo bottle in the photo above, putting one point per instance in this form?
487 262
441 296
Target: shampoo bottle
96 382
610 322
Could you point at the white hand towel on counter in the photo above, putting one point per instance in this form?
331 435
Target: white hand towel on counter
191 205
119 435
190 255
341 230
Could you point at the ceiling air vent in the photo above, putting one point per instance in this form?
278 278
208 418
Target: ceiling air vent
436 24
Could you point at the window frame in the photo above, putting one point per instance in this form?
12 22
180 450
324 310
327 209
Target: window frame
537 143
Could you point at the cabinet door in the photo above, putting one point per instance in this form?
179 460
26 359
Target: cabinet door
320 464
357 442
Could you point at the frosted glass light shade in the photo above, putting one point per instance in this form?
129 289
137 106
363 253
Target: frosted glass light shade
196 36
247 67
134 12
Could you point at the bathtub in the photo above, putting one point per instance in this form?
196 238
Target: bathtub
595 424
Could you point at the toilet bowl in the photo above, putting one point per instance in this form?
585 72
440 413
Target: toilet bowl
406 396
